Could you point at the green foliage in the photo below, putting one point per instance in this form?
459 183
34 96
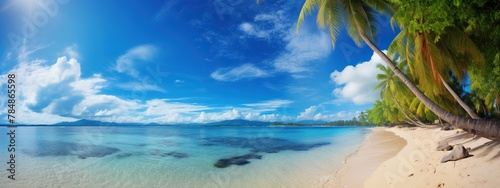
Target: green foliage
439 41
435 16
376 115
435 45
363 118
483 24
357 16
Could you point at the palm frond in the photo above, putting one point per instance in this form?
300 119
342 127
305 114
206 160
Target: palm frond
334 20
307 8
381 6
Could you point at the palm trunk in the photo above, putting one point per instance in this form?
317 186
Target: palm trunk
484 128
417 118
466 107
498 102
416 122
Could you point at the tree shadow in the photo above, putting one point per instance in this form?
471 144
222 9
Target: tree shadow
487 148
456 137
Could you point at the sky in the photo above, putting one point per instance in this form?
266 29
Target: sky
180 61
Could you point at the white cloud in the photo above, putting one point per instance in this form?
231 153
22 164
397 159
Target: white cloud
51 93
308 113
317 112
266 26
138 86
302 51
34 77
72 52
48 93
25 51
232 114
95 106
126 63
162 106
245 71
357 82
269 105
250 30
211 117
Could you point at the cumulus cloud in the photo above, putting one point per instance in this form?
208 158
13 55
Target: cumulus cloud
357 82
163 106
317 112
127 63
245 71
211 117
234 113
308 113
52 91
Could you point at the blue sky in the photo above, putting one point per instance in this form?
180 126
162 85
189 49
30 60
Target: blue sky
179 61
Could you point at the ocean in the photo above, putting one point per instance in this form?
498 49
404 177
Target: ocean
175 156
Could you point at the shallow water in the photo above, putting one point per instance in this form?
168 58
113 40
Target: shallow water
166 156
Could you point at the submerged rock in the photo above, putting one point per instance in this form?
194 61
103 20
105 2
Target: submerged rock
168 143
98 151
123 155
261 144
175 154
178 155
237 160
458 152
57 148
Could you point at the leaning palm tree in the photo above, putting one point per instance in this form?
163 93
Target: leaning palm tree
358 16
431 61
392 89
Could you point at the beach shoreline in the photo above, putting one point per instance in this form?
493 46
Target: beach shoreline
407 157
378 146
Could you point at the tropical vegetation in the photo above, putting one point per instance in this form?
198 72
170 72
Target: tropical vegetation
447 52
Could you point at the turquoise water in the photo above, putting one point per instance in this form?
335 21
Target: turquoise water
166 156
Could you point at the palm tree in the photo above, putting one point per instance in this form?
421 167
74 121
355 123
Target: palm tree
362 118
392 89
381 114
452 52
487 87
359 18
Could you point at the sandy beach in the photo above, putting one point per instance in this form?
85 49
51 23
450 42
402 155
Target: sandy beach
407 157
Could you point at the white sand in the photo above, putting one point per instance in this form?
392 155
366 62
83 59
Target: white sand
379 146
418 163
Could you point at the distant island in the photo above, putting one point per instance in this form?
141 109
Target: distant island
235 122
